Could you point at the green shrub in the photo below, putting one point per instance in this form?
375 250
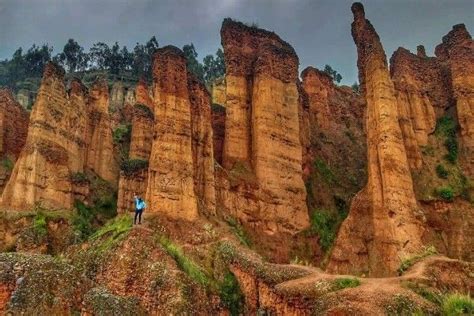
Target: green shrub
231 295
112 232
446 127
446 193
343 283
40 225
7 164
184 263
82 221
133 166
325 225
410 261
239 231
442 172
458 304
324 171
122 134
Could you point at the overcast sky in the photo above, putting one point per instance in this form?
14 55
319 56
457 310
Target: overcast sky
319 30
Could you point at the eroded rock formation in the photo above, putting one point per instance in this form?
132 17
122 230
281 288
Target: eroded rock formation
262 138
100 155
143 120
202 145
381 228
54 148
13 130
170 188
457 53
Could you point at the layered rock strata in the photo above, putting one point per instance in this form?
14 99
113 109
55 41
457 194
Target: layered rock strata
170 188
100 154
262 147
381 228
143 119
54 149
202 145
457 52
13 130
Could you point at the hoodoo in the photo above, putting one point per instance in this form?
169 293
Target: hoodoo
55 147
170 188
381 228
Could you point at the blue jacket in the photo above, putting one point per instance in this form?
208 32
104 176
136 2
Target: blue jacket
140 205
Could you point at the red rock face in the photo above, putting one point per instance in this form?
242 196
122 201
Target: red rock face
143 120
381 228
262 137
13 130
55 147
202 146
457 53
100 155
218 132
170 188
423 91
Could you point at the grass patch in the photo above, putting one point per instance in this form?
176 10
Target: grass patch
231 295
344 283
186 264
131 167
112 232
239 231
424 292
7 164
40 225
446 127
457 304
445 193
442 172
324 171
408 262
325 224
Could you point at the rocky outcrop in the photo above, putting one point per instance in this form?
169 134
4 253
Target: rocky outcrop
14 125
382 227
422 91
143 120
262 148
13 130
54 148
202 145
457 53
170 188
100 153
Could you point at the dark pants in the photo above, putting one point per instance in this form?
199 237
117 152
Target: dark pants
138 213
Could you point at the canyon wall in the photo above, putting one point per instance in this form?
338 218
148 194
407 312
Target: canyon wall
100 155
170 188
13 131
202 145
456 52
262 182
54 148
382 227
143 120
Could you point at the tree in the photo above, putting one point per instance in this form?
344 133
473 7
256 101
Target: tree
193 65
213 67
336 77
36 58
114 60
142 57
73 56
100 55
127 59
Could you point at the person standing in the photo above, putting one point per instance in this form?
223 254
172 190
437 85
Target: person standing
140 206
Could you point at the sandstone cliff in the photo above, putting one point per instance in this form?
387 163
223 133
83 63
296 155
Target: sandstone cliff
262 150
54 148
13 130
381 228
202 145
457 53
170 188
142 123
100 154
